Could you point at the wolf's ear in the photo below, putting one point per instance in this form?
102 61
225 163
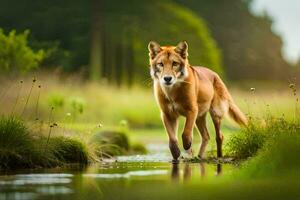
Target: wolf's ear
154 49
182 49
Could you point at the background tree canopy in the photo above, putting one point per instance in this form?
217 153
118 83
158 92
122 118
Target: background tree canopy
250 49
112 36
136 25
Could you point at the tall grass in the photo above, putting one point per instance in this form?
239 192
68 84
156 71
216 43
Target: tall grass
85 102
23 147
273 143
102 103
248 141
261 131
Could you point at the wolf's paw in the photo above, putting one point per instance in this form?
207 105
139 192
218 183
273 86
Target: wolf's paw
187 141
175 151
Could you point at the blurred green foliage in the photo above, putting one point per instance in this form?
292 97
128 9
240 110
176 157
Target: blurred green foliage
56 100
16 55
77 105
139 24
62 28
222 35
250 48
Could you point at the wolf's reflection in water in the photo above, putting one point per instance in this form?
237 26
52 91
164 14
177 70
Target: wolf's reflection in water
188 170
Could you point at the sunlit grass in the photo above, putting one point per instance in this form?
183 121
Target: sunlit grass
82 109
265 127
107 105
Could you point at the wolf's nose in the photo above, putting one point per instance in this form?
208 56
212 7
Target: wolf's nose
168 79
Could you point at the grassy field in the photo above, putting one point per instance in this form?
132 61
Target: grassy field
76 101
82 109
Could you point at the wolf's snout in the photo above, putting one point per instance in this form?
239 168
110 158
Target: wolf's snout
168 79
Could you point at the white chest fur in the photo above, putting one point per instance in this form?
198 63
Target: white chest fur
174 107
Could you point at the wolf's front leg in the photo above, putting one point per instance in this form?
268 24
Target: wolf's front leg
171 123
187 136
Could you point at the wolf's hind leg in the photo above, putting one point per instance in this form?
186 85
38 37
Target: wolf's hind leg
201 125
218 109
219 136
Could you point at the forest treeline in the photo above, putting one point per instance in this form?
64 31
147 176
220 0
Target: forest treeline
107 39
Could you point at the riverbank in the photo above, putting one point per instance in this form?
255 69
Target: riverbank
22 147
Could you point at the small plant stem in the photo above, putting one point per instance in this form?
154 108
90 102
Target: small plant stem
48 138
37 104
50 127
50 115
17 99
27 100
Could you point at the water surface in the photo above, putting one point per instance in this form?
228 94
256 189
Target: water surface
150 176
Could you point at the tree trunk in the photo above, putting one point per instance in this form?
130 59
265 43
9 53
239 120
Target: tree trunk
96 46
130 65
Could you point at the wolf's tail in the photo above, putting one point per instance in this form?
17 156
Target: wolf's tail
236 114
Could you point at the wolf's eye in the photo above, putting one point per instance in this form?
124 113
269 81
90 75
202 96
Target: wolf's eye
160 64
175 64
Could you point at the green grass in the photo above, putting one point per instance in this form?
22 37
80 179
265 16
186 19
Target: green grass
82 109
276 155
19 148
110 143
68 150
246 143
279 157
257 135
76 101
15 143
115 142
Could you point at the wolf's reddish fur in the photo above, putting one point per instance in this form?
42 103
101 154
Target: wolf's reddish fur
182 89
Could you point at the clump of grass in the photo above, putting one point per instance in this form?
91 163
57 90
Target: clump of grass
260 131
16 144
256 136
138 148
113 143
110 143
278 157
246 143
68 150
21 149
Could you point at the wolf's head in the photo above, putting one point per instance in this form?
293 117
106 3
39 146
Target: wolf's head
168 64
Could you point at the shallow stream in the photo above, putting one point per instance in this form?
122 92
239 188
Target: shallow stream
150 176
